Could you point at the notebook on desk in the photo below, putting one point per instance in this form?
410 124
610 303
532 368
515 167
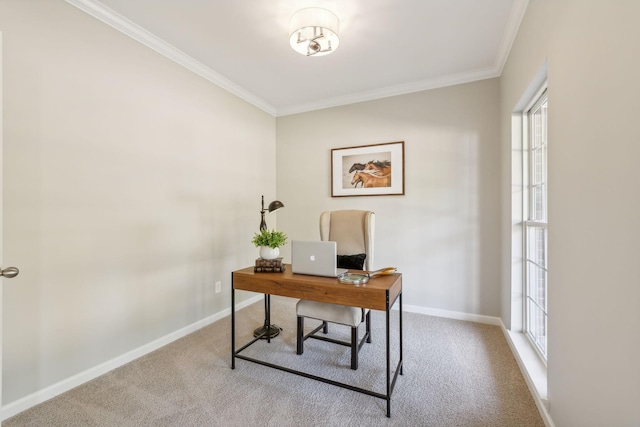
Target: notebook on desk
316 258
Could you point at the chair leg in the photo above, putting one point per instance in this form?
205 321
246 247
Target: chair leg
368 326
354 348
325 328
299 336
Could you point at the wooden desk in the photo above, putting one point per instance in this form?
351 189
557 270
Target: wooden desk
379 293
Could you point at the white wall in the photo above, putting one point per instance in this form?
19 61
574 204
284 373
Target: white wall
443 234
594 285
123 193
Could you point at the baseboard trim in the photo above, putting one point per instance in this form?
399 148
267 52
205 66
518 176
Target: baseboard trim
477 318
20 405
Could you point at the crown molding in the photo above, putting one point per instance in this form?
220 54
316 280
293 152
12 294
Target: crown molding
371 95
122 24
510 33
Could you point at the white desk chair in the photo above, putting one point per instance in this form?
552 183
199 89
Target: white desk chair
353 232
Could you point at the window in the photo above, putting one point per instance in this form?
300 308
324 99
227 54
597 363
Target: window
535 224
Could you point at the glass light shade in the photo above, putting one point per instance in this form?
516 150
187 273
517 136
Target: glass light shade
314 31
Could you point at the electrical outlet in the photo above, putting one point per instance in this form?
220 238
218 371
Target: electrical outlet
218 287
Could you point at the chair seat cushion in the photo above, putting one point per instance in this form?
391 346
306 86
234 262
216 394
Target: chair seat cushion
350 316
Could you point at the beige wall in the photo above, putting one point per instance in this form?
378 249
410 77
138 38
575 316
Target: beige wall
443 233
130 186
594 287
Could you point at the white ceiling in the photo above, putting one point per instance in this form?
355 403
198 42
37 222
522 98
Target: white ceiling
387 47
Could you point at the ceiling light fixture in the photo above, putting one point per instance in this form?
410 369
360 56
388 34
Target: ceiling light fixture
314 31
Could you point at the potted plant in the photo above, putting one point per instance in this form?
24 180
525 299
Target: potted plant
269 243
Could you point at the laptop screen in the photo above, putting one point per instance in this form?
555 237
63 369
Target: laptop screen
317 258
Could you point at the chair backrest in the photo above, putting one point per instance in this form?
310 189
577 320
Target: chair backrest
352 230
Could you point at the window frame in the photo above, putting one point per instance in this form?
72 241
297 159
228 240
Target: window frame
533 221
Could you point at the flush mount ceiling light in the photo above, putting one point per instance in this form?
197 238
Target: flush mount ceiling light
314 31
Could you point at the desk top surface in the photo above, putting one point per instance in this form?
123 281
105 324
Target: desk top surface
378 294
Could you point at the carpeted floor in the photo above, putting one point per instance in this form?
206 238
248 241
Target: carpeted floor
456 373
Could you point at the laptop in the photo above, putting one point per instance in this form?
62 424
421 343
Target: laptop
316 258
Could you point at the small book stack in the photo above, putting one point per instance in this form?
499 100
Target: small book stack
269 266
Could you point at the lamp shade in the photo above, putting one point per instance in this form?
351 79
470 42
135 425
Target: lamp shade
314 31
276 204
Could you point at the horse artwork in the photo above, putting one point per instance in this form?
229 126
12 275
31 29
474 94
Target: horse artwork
371 179
366 170
379 169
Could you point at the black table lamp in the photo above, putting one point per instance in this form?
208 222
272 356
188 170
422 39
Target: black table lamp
276 204
274 330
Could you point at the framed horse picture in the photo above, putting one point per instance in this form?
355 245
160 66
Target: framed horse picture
368 170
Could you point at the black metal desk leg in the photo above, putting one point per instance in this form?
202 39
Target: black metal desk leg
233 325
400 314
388 361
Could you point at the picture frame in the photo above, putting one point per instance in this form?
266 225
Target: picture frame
368 170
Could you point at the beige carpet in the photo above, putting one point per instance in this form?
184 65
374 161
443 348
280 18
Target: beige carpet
455 374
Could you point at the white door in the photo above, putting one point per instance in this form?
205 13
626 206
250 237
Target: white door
1 234
9 272
1 219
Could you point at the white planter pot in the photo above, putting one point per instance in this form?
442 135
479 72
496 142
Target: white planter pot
269 253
